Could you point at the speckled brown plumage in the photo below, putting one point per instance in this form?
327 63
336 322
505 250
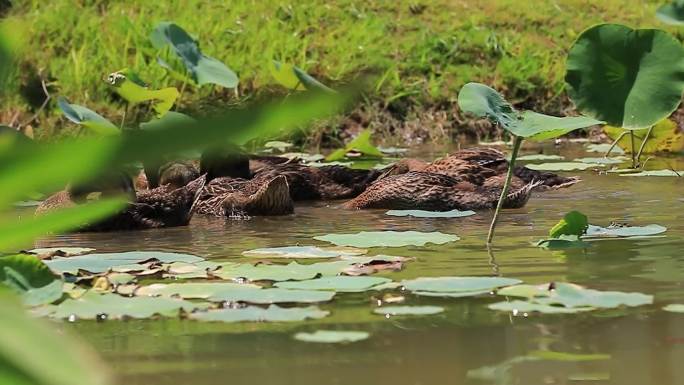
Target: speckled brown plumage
240 198
159 207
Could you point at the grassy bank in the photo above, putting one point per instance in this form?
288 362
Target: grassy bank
419 52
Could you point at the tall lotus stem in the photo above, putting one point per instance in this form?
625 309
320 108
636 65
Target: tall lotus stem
634 158
643 143
517 141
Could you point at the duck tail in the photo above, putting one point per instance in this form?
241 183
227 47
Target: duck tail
519 197
273 198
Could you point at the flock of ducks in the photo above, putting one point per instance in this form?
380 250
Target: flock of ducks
236 185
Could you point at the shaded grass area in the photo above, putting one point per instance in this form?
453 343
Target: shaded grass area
418 53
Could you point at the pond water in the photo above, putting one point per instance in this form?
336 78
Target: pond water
642 345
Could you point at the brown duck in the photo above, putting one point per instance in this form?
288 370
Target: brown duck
164 206
468 179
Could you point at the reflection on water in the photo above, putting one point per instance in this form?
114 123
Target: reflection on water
645 345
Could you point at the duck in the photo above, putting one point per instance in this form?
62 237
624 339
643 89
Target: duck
420 190
164 206
466 180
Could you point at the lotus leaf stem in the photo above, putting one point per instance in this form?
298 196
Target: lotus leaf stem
517 141
643 143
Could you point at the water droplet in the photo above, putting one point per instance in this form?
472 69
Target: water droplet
72 318
515 312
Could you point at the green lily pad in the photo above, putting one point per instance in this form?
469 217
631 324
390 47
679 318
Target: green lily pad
393 150
614 160
388 238
603 148
49 252
562 166
407 310
362 144
430 214
111 306
339 283
674 308
100 263
540 157
192 290
452 294
270 296
573 223
563 242
457 284
87 118
273 313
524 291
672 13
332 336
626 77
521 307
678 173
278 145
624 231
302 252
266 272
28 276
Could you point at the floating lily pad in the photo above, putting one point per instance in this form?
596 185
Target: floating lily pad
674 308
562 166
678 173
266 272
49 252
615 160
540 157
302 252
566 298
452 294
276 295
278 145
332 336
430 214
457 284
624 231
392 150
339 283
257 314
192 290
112 306
563 242
388 238
304 157
29 277
407 310
603 148
99 263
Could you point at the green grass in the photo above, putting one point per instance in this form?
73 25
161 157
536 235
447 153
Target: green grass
419 57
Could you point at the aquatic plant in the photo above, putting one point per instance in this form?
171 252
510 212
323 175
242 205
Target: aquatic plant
629 78
484 102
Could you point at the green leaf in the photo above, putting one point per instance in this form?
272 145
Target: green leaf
625 77
273 313
672 13
34 351
278 145
457 284
203 69
573 223
270 296
332 336
31 278
563 242
538 127
49 252
192 290
129 86
339 283
674 308
430 214
87 118
540 157
93 305
674 173
304 252
562 166
485 102
16 234
615 160
603 148
408 310
284 74
624 231
388 238
100 263
362 143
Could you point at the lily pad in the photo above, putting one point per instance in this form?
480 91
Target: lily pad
49 252
562 166
452 294
603 148
192 290
674 308
573 223
267 272
624 231
521 307
339 283
28 276
100 263
278 145
563 242
540 157
332 336
457 284
362 144
87 118
430 214
273 313
672 13
270 296
407 310
392 150
677 173
112 306
388 238
589 160
302 252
